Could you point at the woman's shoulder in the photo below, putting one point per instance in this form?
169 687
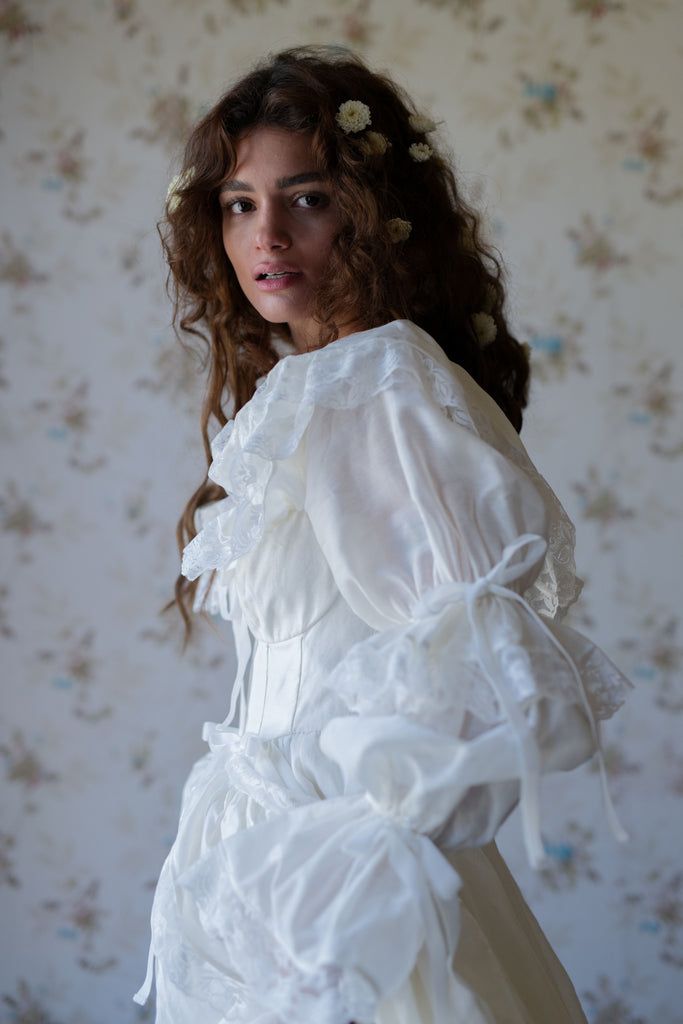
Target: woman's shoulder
353 350
346 372
349 372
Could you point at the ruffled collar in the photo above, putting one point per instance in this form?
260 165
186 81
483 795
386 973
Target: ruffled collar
269 427
341 375
405 328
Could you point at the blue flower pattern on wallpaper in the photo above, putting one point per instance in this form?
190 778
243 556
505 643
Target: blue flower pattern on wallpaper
564 117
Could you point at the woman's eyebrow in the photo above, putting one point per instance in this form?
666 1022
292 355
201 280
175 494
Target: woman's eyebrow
235 185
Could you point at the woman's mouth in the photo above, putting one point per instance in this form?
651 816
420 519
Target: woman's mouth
276 282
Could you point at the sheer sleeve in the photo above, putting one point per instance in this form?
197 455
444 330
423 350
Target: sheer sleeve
465 693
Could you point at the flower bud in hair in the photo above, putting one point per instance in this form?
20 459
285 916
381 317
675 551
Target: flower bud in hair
420 151
398 229
177 182
421 124
375 144
484 328
353 116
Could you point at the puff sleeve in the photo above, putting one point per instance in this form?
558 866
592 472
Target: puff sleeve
465 693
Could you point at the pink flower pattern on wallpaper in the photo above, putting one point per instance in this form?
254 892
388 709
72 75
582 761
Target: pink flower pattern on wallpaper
15 22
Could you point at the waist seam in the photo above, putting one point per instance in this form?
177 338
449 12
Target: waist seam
283 735
309 627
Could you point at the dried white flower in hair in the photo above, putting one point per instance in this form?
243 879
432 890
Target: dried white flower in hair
421 124
398 229
375 143
177 182
353 116
484 327
420 151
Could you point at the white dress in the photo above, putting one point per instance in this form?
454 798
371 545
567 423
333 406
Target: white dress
396 572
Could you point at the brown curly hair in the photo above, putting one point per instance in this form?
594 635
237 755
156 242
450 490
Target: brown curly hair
439 277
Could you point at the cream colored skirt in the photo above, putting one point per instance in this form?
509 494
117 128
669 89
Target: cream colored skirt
502 955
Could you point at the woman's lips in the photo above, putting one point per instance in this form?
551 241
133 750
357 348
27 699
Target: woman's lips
276 284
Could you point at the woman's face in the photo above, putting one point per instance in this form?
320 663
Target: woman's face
279 217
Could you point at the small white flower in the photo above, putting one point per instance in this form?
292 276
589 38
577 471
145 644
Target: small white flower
421 124
484 327
420 151
353 116
375 142
398 229
177 181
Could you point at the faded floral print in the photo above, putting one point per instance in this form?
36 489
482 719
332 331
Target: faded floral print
564 123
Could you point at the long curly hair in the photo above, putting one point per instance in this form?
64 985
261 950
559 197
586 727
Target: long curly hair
440 277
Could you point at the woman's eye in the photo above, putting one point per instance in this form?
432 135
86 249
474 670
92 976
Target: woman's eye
234 203
312 201
318 200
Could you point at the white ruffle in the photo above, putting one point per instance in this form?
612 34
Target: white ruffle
343 375
300 933
320 910
430 669
241 783
476 648
211 594
313 917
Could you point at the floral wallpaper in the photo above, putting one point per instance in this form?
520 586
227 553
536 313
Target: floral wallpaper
564 125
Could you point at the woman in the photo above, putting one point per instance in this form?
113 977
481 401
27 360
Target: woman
395 570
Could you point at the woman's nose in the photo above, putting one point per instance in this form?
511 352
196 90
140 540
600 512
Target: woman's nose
271 231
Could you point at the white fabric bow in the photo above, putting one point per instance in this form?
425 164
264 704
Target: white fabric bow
494 582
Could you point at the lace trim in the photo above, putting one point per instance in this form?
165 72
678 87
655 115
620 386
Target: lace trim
259 977
271 425
185 967
220 958
430 668
213 588
418 680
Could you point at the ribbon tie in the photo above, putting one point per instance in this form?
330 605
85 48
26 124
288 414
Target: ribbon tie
494 582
